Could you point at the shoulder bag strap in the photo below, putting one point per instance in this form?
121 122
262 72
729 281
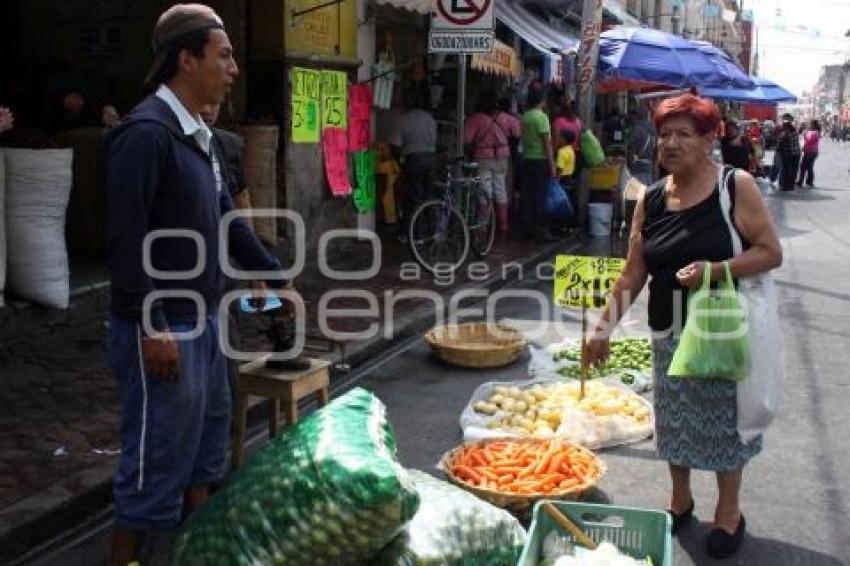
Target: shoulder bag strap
724 177
480 136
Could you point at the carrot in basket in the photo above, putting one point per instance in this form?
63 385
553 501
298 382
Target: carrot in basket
467 473
477 458
523 467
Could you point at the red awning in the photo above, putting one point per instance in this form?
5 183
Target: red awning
620 84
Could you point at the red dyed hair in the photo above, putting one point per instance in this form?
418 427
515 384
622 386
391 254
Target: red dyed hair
703 112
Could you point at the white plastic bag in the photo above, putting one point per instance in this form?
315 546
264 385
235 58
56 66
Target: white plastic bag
576 424
758 393
474 424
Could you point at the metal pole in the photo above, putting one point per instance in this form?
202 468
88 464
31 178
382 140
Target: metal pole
841 87
591 26
461 102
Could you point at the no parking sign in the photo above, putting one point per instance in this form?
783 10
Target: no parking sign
462 26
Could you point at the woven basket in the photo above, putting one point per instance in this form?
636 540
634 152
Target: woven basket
521 505
476 344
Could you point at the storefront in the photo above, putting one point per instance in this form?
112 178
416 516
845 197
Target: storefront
95 55
101 50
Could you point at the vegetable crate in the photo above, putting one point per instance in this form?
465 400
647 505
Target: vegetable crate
636 532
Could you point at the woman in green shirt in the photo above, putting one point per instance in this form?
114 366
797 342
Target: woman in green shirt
538 166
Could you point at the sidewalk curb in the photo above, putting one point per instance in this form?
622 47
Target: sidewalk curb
22 539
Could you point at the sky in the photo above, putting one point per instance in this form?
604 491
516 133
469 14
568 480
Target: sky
797 37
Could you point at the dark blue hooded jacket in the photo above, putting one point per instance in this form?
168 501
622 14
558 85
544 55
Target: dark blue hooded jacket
159 178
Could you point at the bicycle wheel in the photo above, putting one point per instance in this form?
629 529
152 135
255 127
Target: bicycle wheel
438 237
481 221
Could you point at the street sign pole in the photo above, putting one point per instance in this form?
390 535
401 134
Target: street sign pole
591 27
462 27
461 102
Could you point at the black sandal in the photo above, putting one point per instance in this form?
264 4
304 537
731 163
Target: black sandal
681 519
721 544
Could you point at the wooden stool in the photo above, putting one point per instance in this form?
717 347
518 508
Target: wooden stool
291 386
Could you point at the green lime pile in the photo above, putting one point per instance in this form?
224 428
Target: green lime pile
329 491
627 355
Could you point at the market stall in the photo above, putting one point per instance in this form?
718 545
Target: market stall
330 489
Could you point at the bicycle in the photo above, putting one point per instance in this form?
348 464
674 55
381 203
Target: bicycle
442 230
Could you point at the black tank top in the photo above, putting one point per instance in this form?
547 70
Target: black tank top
672 240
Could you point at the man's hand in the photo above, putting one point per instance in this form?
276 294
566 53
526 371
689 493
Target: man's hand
259 290
160 356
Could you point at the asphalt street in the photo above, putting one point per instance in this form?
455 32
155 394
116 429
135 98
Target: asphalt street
796 493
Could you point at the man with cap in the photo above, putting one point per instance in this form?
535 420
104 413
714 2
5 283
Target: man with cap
165 210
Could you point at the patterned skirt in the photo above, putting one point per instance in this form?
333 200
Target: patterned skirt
696 418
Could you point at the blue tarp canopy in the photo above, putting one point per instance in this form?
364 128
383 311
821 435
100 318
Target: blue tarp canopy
737 77
764 92
651 55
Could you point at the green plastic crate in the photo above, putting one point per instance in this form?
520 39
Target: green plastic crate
636 532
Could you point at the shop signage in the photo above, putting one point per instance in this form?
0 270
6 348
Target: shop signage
306 85
364 193
334 148
460 42
464 15
501 61
583 281
359 117
316 27
590 32
334 99
462 26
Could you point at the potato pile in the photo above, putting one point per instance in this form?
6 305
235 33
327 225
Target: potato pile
538 410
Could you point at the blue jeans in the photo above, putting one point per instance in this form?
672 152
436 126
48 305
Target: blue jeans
174 434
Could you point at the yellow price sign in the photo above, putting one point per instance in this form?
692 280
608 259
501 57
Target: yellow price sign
306 86
334 99
584 281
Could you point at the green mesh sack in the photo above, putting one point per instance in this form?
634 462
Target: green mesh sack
715 339
454 528
328 491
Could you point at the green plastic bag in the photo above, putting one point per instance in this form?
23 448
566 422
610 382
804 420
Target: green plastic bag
591 149
454 528
328 491
715 340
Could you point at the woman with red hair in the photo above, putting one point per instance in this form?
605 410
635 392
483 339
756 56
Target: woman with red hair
679 226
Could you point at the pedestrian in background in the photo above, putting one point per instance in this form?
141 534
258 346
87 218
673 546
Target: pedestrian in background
615 130
564 117
230 147
811 142
538 165
175 395
788 152
736 148
678 227
487 136
641 144
414 139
